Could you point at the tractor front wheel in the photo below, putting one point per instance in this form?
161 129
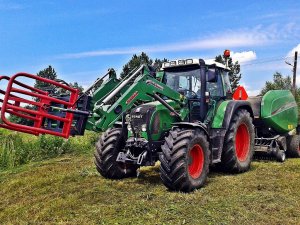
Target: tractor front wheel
184 160
107 150
238 146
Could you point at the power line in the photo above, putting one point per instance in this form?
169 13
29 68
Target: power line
266 60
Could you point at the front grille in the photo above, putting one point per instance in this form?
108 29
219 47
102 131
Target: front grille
139 116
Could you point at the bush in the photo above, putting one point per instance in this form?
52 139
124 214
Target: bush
18 148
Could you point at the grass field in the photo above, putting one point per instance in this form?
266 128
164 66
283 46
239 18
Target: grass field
68 190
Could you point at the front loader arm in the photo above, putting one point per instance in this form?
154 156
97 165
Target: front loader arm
144 88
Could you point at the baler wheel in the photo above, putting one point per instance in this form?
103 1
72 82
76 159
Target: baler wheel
239 143
184 160
293 147
280 156
107 150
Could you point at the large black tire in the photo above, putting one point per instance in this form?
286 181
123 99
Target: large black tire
107 150
238 146
184 160
293 148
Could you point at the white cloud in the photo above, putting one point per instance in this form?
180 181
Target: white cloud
230 39
243 57
226 39
292 52
250 92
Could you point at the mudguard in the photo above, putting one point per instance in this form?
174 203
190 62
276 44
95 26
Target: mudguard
221 124
226 110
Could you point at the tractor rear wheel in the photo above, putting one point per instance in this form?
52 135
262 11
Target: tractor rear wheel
293 147
238 146
107 150
184 160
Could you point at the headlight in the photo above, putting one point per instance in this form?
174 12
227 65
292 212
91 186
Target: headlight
129 127
144 127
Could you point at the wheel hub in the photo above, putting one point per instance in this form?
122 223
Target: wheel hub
242 142
196 161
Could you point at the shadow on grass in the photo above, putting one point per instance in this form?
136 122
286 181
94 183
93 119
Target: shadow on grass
150 175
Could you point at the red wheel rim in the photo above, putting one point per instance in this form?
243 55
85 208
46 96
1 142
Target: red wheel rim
197 161
242 142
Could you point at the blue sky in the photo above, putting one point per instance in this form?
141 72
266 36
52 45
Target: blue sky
81 39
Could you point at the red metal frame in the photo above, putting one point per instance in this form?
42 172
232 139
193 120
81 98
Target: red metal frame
42 106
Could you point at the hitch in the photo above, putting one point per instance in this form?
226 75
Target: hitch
44 113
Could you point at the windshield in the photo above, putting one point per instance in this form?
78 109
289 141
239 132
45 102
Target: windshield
185 82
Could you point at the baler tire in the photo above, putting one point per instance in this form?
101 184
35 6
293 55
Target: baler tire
280 156
185 159
293 148
237 150
107 149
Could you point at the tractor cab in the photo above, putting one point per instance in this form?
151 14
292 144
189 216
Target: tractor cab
185 77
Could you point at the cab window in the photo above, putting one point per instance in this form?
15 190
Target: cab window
215 88
226 81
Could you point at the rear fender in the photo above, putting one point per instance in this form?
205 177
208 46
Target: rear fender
221 124
225 112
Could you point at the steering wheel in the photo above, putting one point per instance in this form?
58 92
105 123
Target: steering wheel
187 92
191 94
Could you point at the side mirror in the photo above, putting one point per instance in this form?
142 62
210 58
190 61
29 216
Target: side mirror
211 75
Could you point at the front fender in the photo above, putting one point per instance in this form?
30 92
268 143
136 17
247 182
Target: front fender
201 126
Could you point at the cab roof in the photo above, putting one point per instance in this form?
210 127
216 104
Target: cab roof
188 62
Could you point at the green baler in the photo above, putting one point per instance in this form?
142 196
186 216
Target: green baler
279 111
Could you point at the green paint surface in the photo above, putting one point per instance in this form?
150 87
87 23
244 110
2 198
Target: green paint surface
279 110
219 115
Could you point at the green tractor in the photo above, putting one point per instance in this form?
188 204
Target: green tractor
191 123
184 116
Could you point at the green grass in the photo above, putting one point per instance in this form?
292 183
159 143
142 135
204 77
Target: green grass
68 190
19 148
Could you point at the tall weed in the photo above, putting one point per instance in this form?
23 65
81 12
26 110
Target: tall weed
18 148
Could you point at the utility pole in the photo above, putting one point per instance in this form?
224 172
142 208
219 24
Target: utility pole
295 72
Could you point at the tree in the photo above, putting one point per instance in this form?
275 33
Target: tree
138 60
234 73
279 83
77 86
48 73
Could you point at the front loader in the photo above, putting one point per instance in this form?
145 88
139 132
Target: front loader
184 116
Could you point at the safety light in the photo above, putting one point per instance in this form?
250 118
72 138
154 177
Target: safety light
173 63
181 62
189 61
227 53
